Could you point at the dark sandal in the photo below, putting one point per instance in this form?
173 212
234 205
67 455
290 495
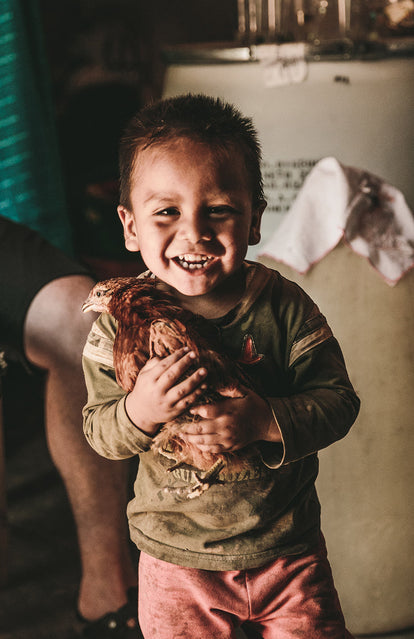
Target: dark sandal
114 625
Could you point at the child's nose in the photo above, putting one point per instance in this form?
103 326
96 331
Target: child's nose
196 229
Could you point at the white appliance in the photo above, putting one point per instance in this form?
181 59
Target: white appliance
361 111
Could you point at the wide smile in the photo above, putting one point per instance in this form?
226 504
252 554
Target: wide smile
191 262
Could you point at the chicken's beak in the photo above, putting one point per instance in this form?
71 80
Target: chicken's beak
87 306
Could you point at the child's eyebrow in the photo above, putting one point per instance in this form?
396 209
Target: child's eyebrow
159 197
216 198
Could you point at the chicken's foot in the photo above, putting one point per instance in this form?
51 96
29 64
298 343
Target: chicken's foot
175 466
204 483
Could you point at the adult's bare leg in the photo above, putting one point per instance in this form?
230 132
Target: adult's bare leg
55 333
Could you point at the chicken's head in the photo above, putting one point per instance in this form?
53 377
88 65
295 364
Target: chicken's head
107 295
99 298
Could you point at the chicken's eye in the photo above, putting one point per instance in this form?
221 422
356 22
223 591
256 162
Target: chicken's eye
98 294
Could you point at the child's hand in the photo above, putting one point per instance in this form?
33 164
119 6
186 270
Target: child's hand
158 396
231 424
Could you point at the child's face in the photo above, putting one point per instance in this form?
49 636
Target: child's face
192 216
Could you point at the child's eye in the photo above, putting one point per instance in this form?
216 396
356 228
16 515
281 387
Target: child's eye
221 211
167 212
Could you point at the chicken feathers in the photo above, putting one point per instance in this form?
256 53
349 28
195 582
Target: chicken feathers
151 323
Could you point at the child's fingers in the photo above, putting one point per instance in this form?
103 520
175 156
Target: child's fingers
187 392
159 366
208 411
173 367
212 448
207 441
166 362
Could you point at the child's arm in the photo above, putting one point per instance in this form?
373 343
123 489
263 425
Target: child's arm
321 409
311 406
119 425
158 395
232 424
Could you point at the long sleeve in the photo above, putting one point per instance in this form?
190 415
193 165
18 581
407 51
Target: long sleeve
287 347
319 404
321 409
106 424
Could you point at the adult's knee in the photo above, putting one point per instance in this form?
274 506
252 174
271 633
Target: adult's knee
55 328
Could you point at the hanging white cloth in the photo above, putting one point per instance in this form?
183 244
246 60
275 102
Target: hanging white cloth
340 202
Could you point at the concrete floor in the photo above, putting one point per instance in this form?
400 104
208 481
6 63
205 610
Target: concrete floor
38 601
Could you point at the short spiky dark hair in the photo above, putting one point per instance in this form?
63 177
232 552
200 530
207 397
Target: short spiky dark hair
197 117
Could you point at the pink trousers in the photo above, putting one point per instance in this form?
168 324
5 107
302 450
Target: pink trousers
291 597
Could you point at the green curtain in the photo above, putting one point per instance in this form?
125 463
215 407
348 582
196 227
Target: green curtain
31 185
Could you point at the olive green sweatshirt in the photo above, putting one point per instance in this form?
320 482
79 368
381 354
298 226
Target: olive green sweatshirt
271 508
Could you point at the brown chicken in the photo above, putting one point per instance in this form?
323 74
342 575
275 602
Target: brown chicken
151 323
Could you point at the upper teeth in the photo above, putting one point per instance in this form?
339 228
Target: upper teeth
193 261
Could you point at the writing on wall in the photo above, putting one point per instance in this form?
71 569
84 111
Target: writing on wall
282 182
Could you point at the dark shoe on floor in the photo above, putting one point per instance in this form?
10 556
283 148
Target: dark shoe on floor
115 625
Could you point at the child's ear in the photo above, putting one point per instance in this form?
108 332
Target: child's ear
130 234
254 235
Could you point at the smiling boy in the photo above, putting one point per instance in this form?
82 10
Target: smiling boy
249 550
192 221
